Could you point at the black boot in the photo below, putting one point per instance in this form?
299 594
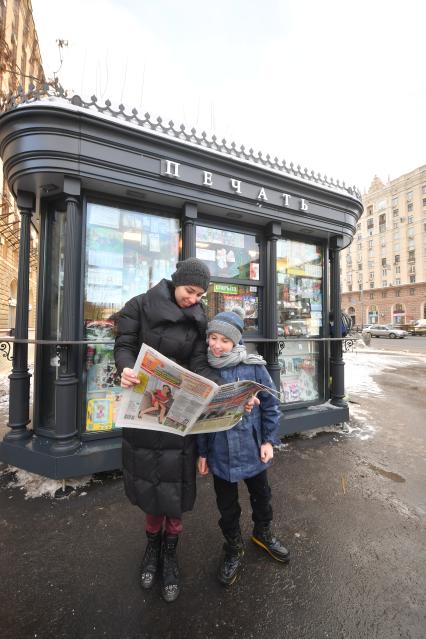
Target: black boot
151 559
263 537
171 578
231 563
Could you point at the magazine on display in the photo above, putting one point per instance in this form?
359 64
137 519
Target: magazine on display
171 399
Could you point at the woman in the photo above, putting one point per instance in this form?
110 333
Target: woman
159 468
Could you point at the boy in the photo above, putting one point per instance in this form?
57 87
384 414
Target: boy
243 452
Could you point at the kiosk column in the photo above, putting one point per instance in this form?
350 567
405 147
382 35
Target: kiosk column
273 233
66 384
19 401
189 220
336 360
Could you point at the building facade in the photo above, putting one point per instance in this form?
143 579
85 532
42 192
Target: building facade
383 272
20 65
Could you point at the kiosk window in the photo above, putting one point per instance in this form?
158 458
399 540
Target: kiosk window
127 253
299 312
228 254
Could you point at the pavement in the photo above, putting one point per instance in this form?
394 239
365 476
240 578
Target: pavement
349 505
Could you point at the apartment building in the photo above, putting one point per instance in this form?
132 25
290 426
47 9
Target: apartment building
20 65
383 271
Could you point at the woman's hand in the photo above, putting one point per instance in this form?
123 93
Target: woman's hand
253 401
128 378
266 453
203 468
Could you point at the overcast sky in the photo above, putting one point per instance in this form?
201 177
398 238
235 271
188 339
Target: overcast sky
333 85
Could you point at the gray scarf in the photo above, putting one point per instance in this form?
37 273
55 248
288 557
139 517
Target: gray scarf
238 355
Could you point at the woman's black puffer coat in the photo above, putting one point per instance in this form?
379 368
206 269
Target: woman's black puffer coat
159 468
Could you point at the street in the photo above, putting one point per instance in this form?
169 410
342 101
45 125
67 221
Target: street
350 505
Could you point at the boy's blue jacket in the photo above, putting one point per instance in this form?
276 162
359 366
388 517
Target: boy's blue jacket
235 454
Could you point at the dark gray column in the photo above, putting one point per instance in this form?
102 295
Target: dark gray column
273 232
336 360
189 220
66 385
19 401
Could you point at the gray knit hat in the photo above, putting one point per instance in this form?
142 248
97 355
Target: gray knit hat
191 271
228 323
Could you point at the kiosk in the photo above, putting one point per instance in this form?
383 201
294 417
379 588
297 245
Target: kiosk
119 199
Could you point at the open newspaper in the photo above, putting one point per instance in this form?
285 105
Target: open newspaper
171 399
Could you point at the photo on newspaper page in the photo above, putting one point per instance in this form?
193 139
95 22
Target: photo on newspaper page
168 398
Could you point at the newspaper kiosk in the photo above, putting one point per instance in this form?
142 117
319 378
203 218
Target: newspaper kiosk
119 199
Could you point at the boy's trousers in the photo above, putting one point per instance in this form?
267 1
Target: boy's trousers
229 506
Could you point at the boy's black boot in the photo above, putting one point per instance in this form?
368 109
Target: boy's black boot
170 570
263 537
151 559
231 563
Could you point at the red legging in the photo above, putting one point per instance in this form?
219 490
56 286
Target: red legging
154 524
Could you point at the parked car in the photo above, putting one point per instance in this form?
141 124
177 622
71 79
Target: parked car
419 327
380 330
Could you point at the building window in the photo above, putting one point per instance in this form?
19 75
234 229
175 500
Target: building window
394 201
397 269
370 210
371 253
384 272
424 201
395 225
370 244
359 247
424 188
412 290
384 293
371 264
411 256
360 266
370 223
350 287
409 207
398 292
358 227
384 283
371 275
397 259
409 196
371 285
395 213
412 279
412 268
371 296
410 219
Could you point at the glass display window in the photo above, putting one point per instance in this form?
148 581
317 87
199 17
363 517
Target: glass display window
300 371
225 297
300 314
127 252
228 254
299 288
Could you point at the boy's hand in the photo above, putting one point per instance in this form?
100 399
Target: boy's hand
253 401
128 378
203 468
266 453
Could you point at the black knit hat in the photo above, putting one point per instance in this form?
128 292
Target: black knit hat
191 272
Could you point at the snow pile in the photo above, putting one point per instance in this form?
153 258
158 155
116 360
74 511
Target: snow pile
36 485
359 372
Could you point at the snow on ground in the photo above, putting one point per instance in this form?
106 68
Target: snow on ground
37 486
361 367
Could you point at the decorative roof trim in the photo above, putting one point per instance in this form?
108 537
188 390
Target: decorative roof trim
34 94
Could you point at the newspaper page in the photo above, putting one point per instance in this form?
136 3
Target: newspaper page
168 398
171 399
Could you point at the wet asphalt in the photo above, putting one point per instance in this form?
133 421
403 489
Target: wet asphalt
350 506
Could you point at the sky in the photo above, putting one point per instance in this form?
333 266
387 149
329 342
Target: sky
338 87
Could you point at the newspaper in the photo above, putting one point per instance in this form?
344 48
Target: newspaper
171 399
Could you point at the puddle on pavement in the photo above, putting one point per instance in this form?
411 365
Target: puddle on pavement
386 473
